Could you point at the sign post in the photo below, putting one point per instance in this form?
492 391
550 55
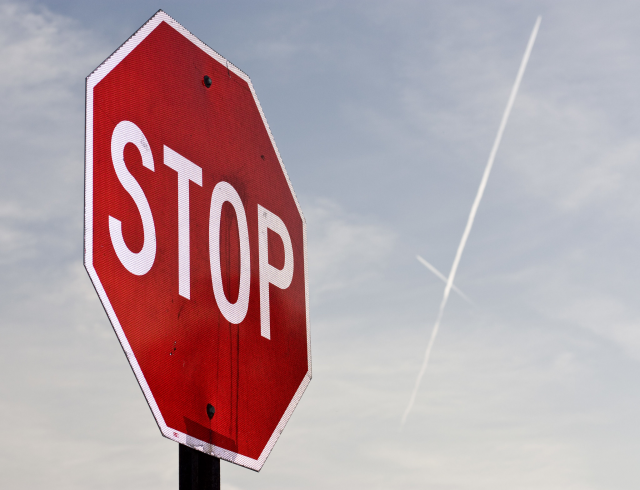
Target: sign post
196 246
198 471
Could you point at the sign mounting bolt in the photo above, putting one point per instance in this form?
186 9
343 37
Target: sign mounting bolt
210 411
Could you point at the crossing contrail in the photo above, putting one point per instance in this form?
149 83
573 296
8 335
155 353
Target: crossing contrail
441 276
472 215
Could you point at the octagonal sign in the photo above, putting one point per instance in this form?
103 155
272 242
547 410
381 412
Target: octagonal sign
195 243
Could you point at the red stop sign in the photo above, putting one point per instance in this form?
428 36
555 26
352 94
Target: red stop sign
195 242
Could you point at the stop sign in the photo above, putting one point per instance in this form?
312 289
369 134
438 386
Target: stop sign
195 243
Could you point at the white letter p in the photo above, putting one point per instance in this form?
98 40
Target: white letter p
269 274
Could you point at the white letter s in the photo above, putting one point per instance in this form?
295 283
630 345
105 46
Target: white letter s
137 263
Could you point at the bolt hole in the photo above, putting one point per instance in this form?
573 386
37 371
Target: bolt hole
262 156
210 411
207 81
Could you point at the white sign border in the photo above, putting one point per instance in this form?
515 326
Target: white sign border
92 80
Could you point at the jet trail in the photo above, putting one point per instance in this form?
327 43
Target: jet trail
472 215
441 276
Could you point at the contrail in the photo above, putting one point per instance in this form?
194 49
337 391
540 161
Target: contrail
472 215
444 279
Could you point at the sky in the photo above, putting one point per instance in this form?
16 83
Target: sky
384 114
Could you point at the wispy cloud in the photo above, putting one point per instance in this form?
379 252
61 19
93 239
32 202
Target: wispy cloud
345 250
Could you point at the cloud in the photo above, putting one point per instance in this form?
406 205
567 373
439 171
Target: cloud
345 250
42 55
563 300
567 153
43 60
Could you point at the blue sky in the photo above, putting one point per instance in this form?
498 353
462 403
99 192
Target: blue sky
384 113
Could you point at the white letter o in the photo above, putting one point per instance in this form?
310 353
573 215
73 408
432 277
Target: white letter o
233 312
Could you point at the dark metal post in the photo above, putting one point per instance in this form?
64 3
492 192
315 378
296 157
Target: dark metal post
198 470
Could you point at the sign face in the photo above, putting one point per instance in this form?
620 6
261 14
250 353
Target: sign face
195 242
